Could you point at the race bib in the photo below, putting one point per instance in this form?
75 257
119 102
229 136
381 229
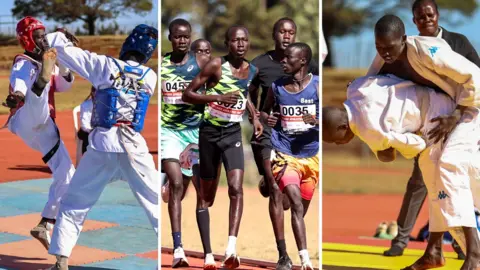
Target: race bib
292 117
229 112
172 91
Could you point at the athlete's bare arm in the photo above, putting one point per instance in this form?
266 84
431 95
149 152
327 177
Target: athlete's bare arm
265 116
253 90
211 72
202 60
253 114
251 109
253 93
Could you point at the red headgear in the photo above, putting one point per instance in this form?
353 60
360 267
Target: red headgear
25 28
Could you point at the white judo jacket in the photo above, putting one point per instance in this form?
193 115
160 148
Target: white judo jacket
433 59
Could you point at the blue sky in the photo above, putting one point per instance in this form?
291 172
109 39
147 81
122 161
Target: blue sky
358 51
128 21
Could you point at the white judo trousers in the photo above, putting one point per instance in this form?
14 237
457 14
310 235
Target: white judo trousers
451 173
95 171
32 123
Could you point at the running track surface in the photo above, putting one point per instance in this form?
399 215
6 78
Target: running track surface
116 235
349 222
196 262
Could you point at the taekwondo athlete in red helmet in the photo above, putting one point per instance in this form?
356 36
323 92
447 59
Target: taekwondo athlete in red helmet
33 80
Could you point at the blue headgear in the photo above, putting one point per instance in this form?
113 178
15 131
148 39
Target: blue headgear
143 40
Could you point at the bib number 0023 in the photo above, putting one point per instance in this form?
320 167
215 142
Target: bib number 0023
292 117
229 112
172 91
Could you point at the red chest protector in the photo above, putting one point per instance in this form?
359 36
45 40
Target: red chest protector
51 92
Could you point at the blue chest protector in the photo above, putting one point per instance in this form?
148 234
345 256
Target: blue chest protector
110 105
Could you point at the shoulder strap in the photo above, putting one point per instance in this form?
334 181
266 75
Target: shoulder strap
24 56
224 59
252 70
118 65
143 76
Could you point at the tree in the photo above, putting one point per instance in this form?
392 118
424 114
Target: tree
258 16
345 17
89 11
305 15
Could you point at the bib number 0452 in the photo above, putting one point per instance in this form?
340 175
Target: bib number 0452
172 91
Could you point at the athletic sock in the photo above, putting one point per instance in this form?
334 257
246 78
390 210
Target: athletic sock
47 222
232 244
282 248
304 256
203 222
177 240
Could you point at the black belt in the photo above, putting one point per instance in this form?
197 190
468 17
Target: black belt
54 149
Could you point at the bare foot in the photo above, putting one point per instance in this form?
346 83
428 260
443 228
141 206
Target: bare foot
472 262
427 261
48 64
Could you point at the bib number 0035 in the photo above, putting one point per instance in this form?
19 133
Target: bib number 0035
292 117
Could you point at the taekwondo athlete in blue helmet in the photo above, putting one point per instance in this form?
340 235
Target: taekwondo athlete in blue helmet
116 150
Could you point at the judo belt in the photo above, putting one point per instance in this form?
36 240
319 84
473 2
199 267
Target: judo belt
54 149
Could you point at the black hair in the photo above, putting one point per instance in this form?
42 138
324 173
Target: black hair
304 47
194 45
417 3
231 28
389 24
180 22
280 21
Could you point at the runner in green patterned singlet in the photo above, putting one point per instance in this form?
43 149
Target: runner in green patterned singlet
228 79
179 124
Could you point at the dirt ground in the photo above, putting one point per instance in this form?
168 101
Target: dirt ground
255 239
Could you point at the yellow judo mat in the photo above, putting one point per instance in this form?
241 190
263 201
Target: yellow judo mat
346 256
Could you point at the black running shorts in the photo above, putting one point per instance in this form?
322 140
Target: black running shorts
220 143
262 147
